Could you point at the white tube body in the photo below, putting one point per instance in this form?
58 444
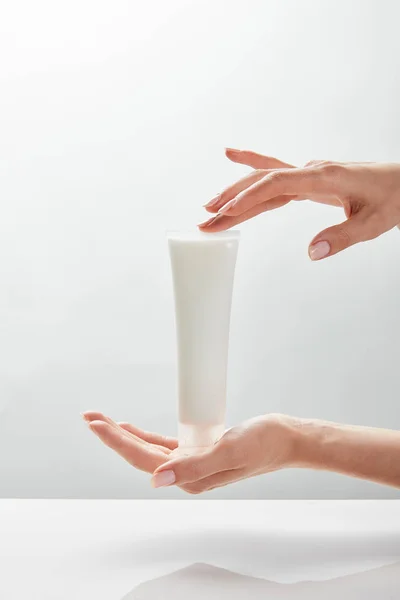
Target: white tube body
203 267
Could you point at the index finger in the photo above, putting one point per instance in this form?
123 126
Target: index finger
233 190
306 182
222 222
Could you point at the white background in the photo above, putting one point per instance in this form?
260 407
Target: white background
113 119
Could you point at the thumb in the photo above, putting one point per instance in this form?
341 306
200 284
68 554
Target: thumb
342 236
191 468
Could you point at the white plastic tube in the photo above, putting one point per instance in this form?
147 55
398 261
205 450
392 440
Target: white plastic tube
203 267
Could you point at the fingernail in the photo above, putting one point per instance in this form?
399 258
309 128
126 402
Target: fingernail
231 150
208 222
213 202
163 479
319 250
227 207
85 420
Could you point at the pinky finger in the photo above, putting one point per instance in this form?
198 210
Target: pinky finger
255 160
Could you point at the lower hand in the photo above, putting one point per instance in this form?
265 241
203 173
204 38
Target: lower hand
369 193
258 446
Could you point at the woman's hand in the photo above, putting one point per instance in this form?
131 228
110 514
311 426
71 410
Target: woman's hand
260 445
369 193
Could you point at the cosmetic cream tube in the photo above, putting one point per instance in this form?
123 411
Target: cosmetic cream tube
203 267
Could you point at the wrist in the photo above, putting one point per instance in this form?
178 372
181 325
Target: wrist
294 440
311 440
355 451
325 445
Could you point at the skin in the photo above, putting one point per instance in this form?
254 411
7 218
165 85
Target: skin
369 194
261 445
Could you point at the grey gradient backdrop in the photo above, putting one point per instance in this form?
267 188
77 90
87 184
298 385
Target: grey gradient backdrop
113 119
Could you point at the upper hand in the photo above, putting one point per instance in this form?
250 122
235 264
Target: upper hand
260 445
369 193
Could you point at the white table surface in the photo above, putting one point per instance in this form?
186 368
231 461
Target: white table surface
101 549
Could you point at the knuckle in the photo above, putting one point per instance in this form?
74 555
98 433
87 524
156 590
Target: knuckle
315 163
332 170
275 176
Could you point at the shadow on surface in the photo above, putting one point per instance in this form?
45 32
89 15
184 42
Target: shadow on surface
204 581
253 552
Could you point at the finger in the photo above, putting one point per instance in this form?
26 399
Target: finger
254 160
90 416
149 436
141 456
358 228
98 416
188 469
222 222
230 192
298 182
214 481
